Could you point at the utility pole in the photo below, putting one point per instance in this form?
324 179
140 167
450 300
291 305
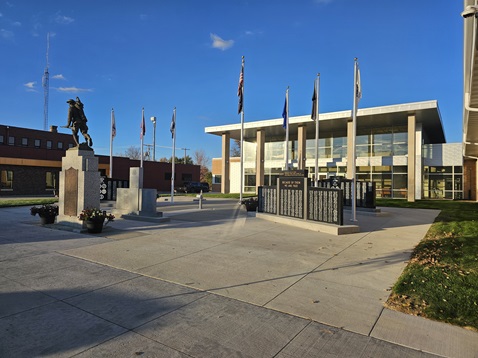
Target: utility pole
46 85
185 149
153 119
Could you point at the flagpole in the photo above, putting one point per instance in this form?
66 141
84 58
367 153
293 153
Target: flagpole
111 141
142 136
317 89
174 154
286 119
354 151
242 129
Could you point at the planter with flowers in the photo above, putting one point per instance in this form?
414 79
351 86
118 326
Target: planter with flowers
250 204
95 219
47 213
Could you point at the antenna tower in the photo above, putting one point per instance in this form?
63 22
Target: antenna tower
46 85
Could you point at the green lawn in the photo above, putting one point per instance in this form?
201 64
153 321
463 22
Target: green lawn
441 279
4 202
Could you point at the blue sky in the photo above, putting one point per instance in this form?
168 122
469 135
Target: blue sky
187 54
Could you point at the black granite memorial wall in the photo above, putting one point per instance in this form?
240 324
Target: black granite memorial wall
325 205
366 192
291 197
267 199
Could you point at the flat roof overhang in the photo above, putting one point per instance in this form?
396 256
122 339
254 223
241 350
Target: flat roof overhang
470 83
426 113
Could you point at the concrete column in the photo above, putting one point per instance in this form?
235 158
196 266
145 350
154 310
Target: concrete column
411 157
418 162
350 151
261 139
226 153
302 139
474 192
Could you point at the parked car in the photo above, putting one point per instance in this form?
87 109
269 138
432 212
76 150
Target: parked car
205 187
189 187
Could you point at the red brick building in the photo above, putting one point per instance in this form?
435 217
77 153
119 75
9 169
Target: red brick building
30 163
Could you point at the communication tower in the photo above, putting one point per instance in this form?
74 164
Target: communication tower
46 86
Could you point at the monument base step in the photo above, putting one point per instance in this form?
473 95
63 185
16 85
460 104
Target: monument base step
311 225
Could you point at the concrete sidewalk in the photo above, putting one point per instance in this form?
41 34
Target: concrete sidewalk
213 283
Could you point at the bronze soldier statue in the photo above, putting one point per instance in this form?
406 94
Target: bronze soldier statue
77 121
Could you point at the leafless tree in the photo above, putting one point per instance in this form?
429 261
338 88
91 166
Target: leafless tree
236 148
132 153
201 159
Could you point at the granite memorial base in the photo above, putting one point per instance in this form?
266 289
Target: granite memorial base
310 225
135 202
79 185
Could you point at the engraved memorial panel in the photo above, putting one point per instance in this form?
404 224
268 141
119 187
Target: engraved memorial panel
291 197
325 205
267 197
71 192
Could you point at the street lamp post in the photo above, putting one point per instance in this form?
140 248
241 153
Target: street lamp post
153 119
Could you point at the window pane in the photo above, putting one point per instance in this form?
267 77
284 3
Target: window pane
400 181
6 179
50 180
401 137
400 149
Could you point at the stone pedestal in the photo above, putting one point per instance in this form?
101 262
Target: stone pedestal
79 185
135 200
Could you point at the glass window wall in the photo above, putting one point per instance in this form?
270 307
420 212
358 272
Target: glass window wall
443 182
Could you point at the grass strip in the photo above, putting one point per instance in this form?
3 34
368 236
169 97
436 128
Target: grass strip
441 279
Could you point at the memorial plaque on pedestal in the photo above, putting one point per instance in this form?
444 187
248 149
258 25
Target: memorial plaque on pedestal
71 192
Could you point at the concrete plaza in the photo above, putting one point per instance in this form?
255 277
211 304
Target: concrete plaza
215 282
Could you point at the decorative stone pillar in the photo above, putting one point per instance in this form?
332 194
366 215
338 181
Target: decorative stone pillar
79 185
135 200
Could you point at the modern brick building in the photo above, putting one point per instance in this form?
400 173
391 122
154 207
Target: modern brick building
30 163
402 148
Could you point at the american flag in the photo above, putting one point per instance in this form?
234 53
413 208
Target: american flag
172 127
113 124
143 126
240 89
285 113
314 104
358 85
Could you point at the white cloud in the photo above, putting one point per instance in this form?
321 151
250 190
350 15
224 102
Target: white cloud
64 20
221 44
5 34
74 89
30 86
323 1
17 23
59 77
